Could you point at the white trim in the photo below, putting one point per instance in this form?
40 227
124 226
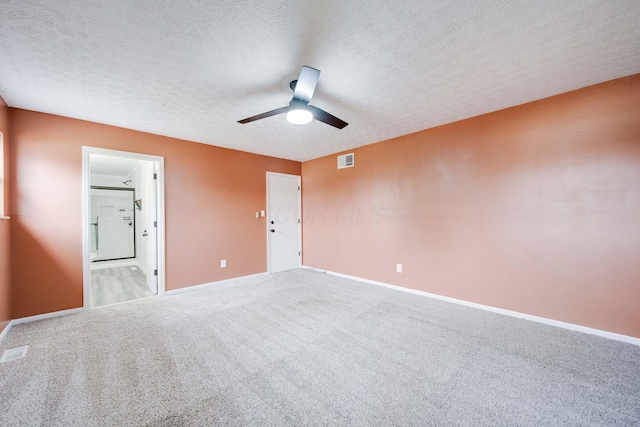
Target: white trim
266 221
118 263
206 285
86 236
319 270
46 316
160 243
5 331
579 328
37 317
141 268
100 265
300 220
299 214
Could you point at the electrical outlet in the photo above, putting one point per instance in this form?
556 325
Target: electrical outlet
223 263
398 268
261 213
257 214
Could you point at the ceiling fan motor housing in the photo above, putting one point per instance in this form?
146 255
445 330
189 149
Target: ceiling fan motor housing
299 111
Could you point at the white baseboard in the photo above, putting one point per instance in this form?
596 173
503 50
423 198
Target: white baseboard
206 285
140 267
144 271
35 318
5 331
546 321
46 316
99 265
13 322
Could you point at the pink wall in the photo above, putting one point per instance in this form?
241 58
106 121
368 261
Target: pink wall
5 238
211 198
5 274
534 209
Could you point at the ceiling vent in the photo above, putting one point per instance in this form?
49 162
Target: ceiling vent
346 161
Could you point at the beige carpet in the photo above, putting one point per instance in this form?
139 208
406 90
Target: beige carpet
303 348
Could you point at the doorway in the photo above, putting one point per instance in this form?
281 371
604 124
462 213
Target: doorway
284 222
123 226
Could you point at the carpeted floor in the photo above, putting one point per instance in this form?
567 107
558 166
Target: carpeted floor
304 348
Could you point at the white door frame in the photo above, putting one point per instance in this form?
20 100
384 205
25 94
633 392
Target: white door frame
268 226
86 235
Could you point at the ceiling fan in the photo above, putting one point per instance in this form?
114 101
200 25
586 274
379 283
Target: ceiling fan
299 111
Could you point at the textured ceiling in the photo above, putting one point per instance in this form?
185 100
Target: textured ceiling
191 69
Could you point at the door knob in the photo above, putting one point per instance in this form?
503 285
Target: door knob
273 231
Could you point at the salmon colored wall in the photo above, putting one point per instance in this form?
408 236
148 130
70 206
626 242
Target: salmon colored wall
534 209
4 128
5 274
5 238
211 196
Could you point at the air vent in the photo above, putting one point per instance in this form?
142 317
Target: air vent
14 353
346 161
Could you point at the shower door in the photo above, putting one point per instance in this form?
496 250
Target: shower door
112 224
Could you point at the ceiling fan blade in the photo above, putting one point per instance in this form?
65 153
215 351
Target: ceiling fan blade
327 118
306 84
264 115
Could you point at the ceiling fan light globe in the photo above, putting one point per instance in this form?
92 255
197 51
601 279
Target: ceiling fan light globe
299 116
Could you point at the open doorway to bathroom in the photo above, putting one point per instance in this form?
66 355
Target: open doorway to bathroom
122 226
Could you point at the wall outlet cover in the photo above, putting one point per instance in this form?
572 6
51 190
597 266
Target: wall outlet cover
399 268
223 263
261 213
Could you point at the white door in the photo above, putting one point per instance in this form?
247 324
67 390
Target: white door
283 222
112 221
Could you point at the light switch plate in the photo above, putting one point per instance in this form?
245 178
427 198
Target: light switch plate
223 263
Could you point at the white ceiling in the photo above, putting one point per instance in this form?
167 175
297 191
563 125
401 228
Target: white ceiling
192 68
